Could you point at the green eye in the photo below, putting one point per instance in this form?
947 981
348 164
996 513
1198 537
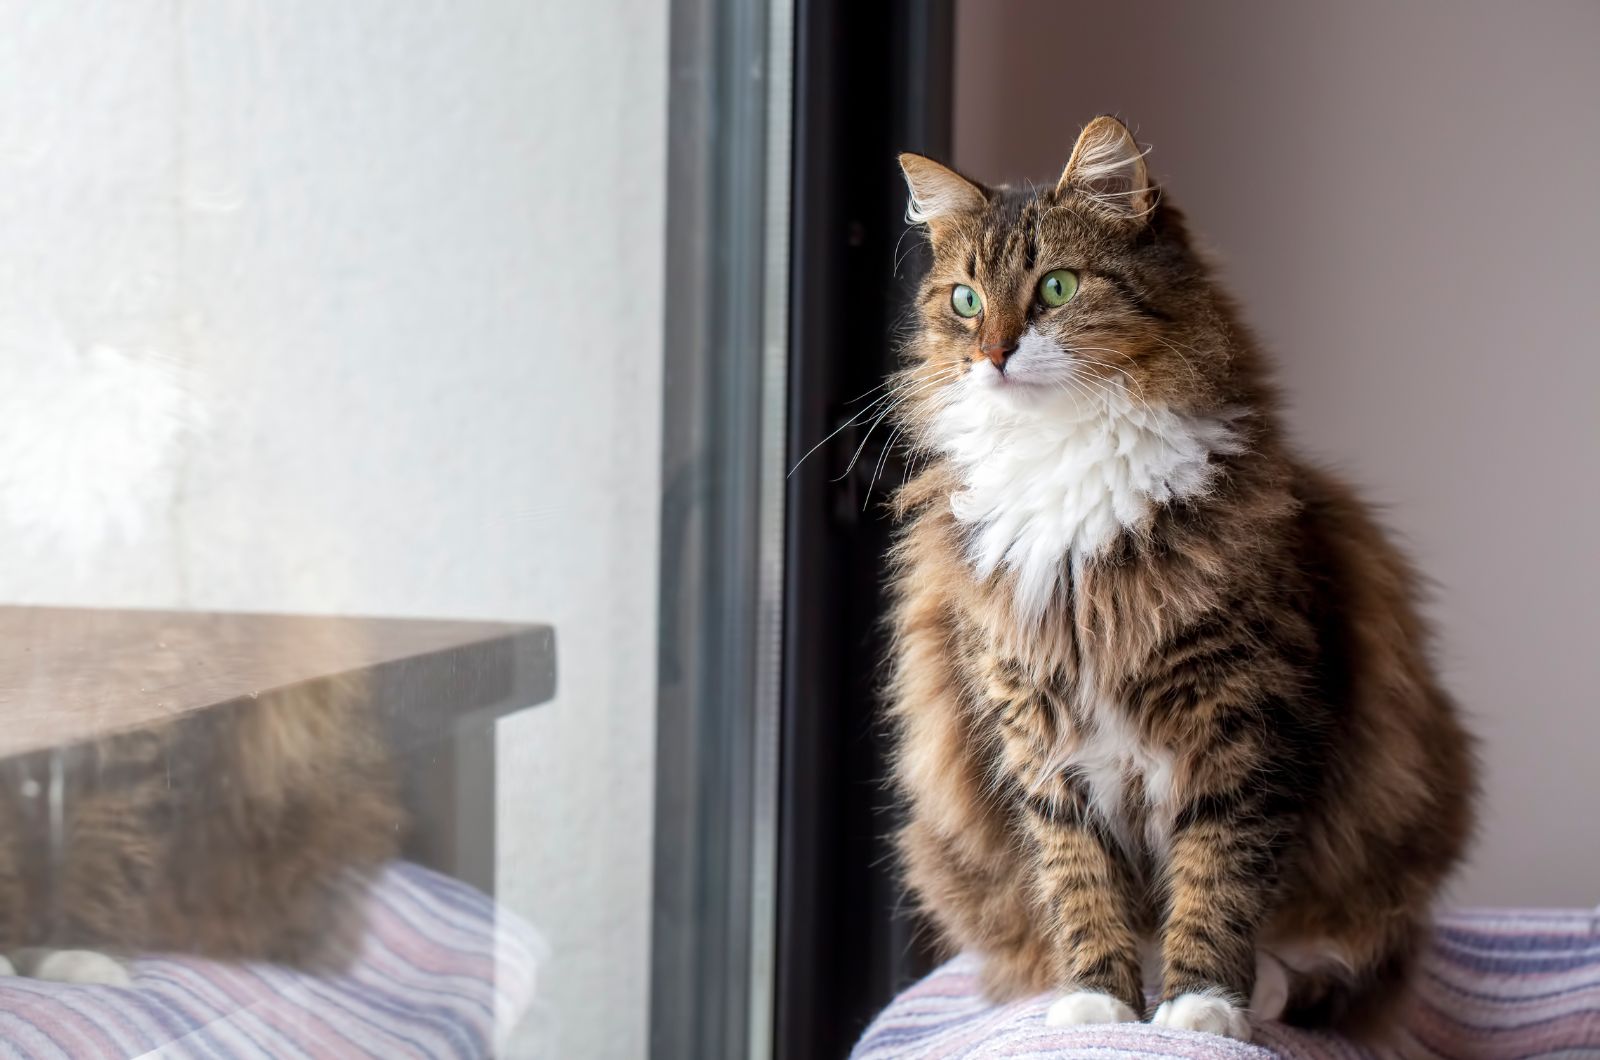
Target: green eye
1057 288
966 301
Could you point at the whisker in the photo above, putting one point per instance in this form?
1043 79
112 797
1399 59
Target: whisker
1090 383
924 385
887 446
1137 395
871 406
1077 383
1127 377
1110 388
898 260
887 382
857 455
1186 362
851 422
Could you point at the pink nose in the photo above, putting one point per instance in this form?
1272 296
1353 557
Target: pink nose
997 354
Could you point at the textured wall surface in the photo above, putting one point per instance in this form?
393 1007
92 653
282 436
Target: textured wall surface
1403 197
355 307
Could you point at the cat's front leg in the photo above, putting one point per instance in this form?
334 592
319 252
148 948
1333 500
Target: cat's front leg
1086 893
1220 878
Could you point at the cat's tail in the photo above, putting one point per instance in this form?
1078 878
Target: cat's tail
1364 1000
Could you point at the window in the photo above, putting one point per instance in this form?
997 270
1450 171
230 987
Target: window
341 518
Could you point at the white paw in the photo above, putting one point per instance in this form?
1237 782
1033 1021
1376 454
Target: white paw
1088 1006
83 967
1202 1012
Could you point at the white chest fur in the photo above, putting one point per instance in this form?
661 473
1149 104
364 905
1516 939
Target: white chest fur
1126 780
1052 475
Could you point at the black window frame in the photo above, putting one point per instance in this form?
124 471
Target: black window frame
777 925
871 81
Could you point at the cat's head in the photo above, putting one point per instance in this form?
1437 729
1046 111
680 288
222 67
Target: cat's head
1064 295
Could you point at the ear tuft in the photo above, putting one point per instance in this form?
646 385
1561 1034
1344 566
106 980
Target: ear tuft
938 193
1108 167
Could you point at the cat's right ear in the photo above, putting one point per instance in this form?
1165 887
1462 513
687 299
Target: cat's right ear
1107 166
938 194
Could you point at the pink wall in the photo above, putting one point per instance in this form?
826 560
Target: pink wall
1405 198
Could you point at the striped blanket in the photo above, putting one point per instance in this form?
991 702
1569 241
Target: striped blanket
442 973
1498 985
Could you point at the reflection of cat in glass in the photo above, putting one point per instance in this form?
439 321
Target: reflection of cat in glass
245 832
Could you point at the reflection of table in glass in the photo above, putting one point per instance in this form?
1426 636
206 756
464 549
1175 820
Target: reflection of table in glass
216 800
71 678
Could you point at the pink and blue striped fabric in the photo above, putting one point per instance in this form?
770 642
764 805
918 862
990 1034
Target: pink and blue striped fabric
442 973
1497 985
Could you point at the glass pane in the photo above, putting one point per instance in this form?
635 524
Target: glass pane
331 477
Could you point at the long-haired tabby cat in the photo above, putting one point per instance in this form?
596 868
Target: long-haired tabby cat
1156 679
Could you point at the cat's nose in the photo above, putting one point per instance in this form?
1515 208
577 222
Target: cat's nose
997 354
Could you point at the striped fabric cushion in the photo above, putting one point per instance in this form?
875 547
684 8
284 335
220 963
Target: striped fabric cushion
442 973
1498 985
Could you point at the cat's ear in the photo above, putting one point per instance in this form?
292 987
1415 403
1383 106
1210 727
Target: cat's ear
1108 167
938 194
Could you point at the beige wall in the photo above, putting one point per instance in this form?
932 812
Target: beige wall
1405 198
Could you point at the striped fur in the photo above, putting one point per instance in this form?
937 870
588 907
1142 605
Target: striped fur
1209 719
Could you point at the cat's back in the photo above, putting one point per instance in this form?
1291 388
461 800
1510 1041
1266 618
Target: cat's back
1404 760
1368 595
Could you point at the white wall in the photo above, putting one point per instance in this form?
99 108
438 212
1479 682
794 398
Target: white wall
355 307
1404 198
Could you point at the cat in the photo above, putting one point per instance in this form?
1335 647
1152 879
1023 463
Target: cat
1155 679
249 831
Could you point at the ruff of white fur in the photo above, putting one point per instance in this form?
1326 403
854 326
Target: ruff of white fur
1054 468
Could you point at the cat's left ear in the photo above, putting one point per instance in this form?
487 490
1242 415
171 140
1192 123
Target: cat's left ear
1108 167
939 194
